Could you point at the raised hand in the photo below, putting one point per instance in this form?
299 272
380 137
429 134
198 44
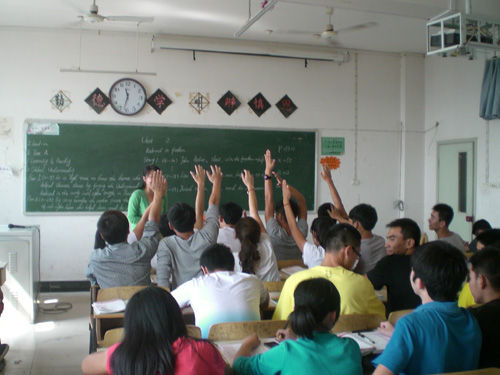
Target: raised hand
287 194
270 162
278 179
215 176
326 175
159 183
247 179
198 174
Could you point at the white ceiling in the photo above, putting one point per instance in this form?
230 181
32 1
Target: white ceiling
400 24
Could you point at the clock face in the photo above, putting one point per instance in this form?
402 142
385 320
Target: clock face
127 96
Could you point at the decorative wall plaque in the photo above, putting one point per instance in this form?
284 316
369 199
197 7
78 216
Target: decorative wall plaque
60 101
259 104
159 101
286 106
229 103
198 101
97 100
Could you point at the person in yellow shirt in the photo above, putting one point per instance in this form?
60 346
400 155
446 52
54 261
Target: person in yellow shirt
341 244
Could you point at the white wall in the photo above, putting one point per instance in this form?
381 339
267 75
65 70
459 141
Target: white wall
452 92
324 94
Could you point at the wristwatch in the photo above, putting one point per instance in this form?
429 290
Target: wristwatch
267 177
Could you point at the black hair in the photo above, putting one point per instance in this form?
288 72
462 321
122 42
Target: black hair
217 256
323 210
441 267
314 299
248 232
152 323
445 212
487 263
164 227
339 236
145 172
365 214
409 229
280 209
113 226
480 225
231 212
99 243
320 225
490 237
182 217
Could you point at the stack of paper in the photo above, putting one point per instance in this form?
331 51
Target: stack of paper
109 307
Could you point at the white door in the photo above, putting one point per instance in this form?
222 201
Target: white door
456 182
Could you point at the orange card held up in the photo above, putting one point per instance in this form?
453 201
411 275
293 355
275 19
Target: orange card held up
332 162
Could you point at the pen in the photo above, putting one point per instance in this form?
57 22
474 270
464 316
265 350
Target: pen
366 338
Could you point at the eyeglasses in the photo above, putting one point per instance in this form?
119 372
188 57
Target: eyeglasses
356 252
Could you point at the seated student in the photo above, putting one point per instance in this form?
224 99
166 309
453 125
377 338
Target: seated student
283 244
155 342
341 255
393 271
221 295
312 253
438 336
440 220
121 263
230 213
179 255
484 276
315 350
489 237
256 255
477 228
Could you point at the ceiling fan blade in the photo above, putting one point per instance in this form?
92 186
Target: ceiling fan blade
130 19
361 26
258 16
293 32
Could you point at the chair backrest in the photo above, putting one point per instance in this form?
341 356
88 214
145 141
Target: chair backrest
240 330
398 314
115 335
356 322
119 292
274 286
290 262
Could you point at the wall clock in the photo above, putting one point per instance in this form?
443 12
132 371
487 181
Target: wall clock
127 96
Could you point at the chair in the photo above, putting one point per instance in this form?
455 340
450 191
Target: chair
92 321
484 371
396 315
424 239
274 286
356 322
240 330
115 335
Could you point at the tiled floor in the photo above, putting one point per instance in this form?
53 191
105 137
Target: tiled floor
56 344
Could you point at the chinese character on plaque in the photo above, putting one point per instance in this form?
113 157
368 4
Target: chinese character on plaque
97 100
198 101
259 104
229 102
60 101
286 106
159 101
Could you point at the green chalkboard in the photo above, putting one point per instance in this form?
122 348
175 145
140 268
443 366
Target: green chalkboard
92 168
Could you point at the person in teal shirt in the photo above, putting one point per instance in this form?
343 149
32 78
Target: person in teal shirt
141 198
309 347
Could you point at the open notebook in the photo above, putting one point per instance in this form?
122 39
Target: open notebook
368 341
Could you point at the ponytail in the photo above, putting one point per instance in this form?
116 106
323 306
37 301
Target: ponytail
303 322
248 232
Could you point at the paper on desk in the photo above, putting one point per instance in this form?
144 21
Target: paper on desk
109 307
291 270
228 349
373 342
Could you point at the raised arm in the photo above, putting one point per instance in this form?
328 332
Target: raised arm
215 177
297 235
139 228
159 186
199 177
248 180
297 195
326 175
268 186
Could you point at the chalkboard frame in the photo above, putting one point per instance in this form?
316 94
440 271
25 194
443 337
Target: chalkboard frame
29 122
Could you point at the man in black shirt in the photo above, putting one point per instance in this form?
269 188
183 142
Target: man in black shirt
484 274
393 271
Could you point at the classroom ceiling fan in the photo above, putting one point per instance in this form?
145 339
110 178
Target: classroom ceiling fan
93 16
329 33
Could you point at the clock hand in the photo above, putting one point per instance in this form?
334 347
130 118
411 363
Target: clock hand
126 99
